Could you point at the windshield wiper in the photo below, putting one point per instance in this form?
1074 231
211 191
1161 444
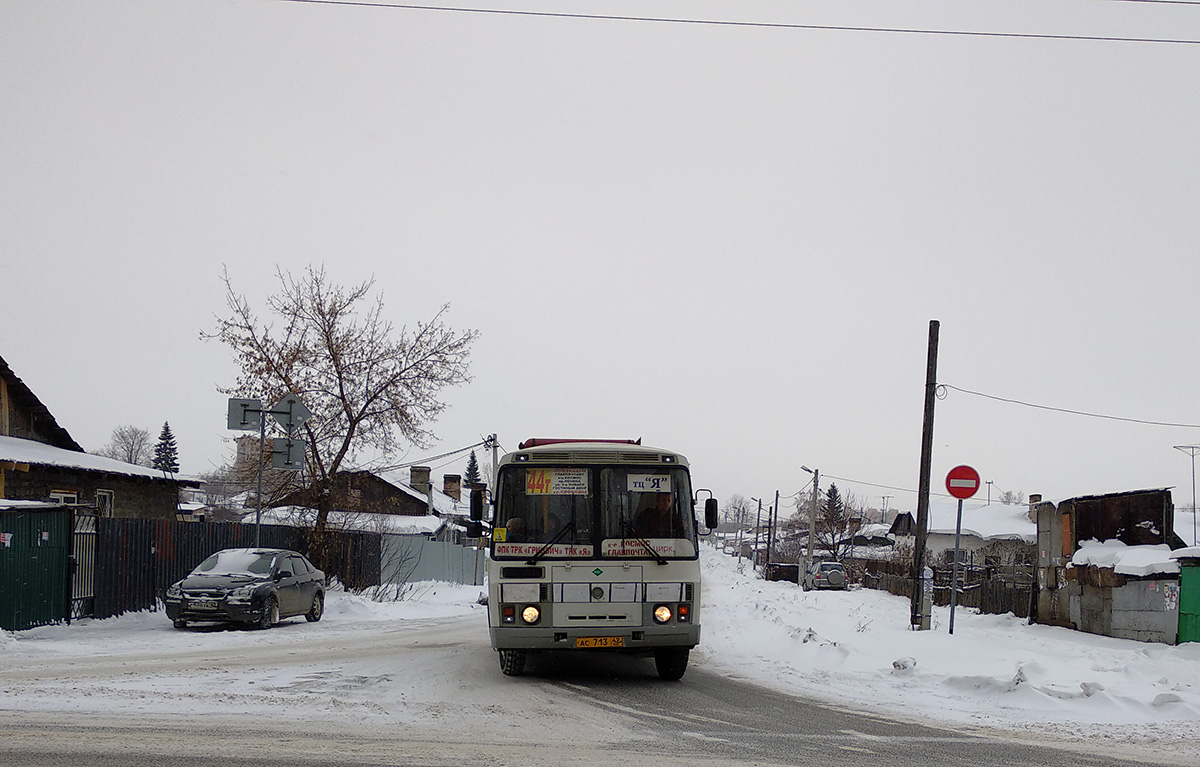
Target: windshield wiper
542 551
629 533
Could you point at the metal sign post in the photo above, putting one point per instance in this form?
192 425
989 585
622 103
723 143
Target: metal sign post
290 413
962 482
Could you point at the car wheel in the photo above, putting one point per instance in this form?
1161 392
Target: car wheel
512 662
270 613
317 610
180 623
671 662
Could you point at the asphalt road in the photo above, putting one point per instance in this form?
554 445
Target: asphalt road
705 719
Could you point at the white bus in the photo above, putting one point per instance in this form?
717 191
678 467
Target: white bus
594 547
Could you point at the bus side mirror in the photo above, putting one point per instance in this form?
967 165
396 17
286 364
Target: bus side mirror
476 505
475 526
710 513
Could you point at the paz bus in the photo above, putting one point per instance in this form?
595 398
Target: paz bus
594 546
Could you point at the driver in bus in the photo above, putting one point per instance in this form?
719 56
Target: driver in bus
658 520
515 530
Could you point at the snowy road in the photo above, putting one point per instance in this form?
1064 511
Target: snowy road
426 690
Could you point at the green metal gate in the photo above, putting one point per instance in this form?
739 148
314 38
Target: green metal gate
35 586
1189 600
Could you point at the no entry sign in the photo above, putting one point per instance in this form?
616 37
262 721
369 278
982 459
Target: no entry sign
962 482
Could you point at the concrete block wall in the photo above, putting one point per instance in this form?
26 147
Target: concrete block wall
1142 610
1147 611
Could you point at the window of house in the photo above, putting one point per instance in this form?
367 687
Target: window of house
104 503
65 497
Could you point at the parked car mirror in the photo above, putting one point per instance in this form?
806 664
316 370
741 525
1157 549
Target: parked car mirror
710 513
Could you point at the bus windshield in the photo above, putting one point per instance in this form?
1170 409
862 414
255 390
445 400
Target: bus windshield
577 511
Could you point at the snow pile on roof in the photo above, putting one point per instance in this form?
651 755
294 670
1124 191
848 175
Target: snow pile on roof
1191 552
11 504
20 450
1126 560
874 530
395 524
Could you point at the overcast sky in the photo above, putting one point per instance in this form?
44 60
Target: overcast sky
728 240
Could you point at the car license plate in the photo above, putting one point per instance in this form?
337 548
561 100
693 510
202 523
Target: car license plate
599 642
203 604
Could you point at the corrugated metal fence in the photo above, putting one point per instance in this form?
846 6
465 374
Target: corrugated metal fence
34 564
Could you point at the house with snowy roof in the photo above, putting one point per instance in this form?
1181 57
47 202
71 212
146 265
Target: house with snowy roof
990 534
39 461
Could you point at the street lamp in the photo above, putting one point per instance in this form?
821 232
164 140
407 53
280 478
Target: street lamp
1192 450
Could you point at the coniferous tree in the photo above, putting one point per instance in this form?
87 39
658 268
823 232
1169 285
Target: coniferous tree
166 455
472 477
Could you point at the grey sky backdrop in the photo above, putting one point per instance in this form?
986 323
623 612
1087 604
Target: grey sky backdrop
727 240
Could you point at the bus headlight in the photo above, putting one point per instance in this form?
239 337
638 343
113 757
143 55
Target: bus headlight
531 614
662 614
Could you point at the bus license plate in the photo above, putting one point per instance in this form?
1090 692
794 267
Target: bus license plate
599 642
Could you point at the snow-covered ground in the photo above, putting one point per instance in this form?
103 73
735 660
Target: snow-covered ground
851 647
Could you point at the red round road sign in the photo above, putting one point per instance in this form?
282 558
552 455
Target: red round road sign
962 482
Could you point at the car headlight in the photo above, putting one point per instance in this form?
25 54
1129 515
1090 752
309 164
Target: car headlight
531 614
662 614
174 592
241 594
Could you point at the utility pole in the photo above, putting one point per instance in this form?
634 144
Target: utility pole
919 617
1192 450
812 513
757 525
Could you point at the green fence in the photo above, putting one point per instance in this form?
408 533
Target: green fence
1189 601
35 586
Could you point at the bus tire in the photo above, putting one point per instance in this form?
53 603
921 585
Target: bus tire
512 662
671 662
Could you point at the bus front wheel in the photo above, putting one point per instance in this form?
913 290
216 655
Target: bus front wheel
512 662
671 662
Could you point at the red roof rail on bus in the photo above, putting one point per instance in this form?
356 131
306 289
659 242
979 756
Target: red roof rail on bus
538 441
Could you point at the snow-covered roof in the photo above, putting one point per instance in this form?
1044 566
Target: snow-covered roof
20 450
989 522
442 503
396 524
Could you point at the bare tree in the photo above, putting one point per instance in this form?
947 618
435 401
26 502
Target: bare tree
368 384
130 444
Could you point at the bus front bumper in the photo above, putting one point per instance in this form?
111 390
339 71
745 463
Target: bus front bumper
575 638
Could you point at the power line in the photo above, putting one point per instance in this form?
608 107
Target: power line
941 395
755 24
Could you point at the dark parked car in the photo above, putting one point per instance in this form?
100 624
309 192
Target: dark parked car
254 586
825 575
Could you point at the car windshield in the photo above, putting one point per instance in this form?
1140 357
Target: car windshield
237 562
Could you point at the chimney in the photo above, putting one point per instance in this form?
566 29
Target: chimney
419 479
452 486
